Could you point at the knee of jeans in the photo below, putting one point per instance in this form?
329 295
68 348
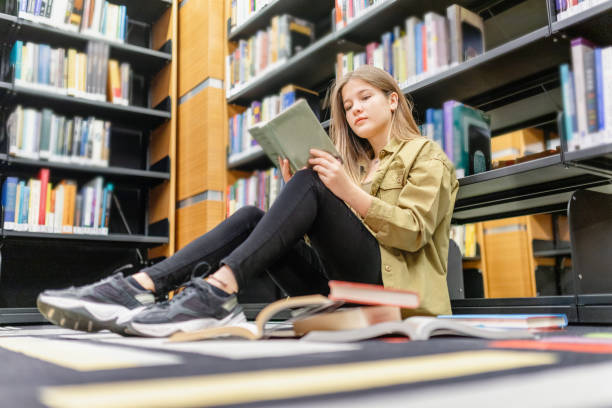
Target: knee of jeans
304 175
250 212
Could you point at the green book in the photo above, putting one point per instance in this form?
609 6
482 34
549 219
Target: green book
291 134
471 140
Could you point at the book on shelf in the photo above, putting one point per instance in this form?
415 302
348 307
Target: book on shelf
511 321
586 88
38 205
283 38
90 75
464 133
422 46
259 190
471 140
291 135
466 33
44 135
299 306
98 18
566 8
415 328
368 294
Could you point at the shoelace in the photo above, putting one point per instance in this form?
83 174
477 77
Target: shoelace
192 283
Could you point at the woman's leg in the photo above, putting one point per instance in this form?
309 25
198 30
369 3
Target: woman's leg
347 250
210 247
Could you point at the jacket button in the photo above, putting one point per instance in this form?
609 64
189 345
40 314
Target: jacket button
399 180
387 268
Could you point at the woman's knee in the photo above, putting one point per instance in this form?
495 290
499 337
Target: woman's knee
249 213
304 176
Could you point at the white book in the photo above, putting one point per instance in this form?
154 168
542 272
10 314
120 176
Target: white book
58 210
88 193
34 202
431 41
97 204
581 50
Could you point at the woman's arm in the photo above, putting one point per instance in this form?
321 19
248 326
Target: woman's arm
332 174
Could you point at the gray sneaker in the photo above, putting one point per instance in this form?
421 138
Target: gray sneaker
196 307
107 304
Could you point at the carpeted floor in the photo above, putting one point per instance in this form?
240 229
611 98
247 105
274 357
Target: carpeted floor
49 366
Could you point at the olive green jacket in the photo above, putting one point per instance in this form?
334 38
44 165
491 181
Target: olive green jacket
414 192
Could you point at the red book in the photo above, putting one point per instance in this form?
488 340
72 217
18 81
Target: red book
367 294
43 176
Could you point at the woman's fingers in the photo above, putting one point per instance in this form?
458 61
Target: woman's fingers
284 167
322 154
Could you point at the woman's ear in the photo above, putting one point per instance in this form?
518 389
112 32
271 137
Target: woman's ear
393 101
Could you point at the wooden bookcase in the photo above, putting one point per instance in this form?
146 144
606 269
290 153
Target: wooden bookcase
516 81
142 161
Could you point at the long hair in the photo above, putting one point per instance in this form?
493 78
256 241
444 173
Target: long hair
351 147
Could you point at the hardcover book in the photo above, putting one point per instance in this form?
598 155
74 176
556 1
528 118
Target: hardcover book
291 135
367 294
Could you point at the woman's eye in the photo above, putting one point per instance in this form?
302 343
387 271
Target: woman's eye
366 97
347 108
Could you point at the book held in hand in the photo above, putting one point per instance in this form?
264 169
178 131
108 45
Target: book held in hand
416 328
291 135
511 321
367 294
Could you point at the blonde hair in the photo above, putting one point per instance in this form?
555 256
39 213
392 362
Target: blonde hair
352 148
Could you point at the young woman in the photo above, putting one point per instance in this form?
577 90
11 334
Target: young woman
381 215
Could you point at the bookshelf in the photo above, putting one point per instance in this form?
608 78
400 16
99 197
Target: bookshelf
516 80
141 162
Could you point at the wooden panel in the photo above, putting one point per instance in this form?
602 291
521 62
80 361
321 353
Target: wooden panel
201 144
197 219
509 267
201 43
162 250
161 85
162 30
159 202
159 143
541 226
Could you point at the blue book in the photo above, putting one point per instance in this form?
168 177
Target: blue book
418 47
9 198
511 321
15 58
438 125
599 90
569 109
24 206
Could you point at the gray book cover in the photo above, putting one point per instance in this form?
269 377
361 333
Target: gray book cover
291 135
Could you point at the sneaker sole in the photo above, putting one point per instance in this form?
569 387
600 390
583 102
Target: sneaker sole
168 329
79 315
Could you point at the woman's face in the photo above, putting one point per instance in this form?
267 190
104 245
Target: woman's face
368 110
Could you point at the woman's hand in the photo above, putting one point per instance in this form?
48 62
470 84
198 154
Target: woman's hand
332 173
285 169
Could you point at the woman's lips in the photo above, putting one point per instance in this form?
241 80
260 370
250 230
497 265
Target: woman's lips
359 120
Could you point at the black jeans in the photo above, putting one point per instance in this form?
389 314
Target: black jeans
251 242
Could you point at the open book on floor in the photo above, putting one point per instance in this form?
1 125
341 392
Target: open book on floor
416 328
313 312
291 134
300 307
